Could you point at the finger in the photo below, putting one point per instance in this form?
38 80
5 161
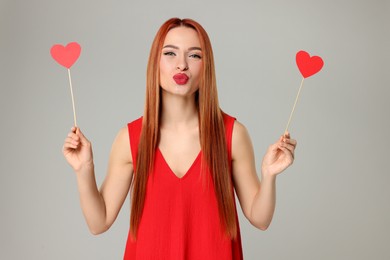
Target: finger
286 134
290 141
287 152
290 147
279 140
70 140
73 140
287 138
79 133
293 142
69 146
83 139
275 146
73 136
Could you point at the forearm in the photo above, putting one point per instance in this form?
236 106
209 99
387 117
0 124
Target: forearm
263 205
91 201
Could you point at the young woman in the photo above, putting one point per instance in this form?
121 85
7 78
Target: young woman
183 159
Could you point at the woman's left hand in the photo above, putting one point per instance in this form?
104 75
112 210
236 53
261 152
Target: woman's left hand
279 156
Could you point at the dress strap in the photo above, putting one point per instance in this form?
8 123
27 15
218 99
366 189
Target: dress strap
229 123
134 129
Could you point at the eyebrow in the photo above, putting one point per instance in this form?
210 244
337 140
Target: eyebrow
175 47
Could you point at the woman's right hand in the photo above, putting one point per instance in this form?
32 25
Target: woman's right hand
77 150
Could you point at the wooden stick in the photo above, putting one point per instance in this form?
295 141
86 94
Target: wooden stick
296 100
71 92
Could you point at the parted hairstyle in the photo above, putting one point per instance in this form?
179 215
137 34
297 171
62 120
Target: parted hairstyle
211 130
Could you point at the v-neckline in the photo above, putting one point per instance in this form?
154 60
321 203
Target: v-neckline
188 170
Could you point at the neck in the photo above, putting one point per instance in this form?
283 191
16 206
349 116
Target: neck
178 111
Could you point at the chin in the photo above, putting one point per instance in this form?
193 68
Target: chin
180 90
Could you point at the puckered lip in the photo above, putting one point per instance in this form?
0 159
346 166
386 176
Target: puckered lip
180 78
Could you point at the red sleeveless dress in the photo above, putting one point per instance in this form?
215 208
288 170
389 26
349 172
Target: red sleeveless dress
180 219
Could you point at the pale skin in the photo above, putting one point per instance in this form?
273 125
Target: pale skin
179 144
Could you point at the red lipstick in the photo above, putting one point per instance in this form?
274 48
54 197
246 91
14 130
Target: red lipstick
180 78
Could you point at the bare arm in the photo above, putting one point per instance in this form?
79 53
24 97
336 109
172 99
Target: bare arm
257 198
100 208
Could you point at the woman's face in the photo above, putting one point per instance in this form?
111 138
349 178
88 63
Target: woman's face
181 62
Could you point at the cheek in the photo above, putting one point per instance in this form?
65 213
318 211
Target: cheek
163 70
163 66
197 70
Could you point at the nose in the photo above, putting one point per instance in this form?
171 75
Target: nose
182 64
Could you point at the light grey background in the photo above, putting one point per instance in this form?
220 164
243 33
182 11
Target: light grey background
333 203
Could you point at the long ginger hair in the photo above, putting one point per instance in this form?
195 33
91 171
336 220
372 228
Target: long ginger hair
211 130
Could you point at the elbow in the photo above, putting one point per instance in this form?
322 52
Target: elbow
263 227
98 230
260 224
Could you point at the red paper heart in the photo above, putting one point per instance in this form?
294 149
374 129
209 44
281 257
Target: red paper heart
307 65
66 56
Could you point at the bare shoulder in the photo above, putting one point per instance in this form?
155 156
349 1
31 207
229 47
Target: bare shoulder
121 146
239 129
241 141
